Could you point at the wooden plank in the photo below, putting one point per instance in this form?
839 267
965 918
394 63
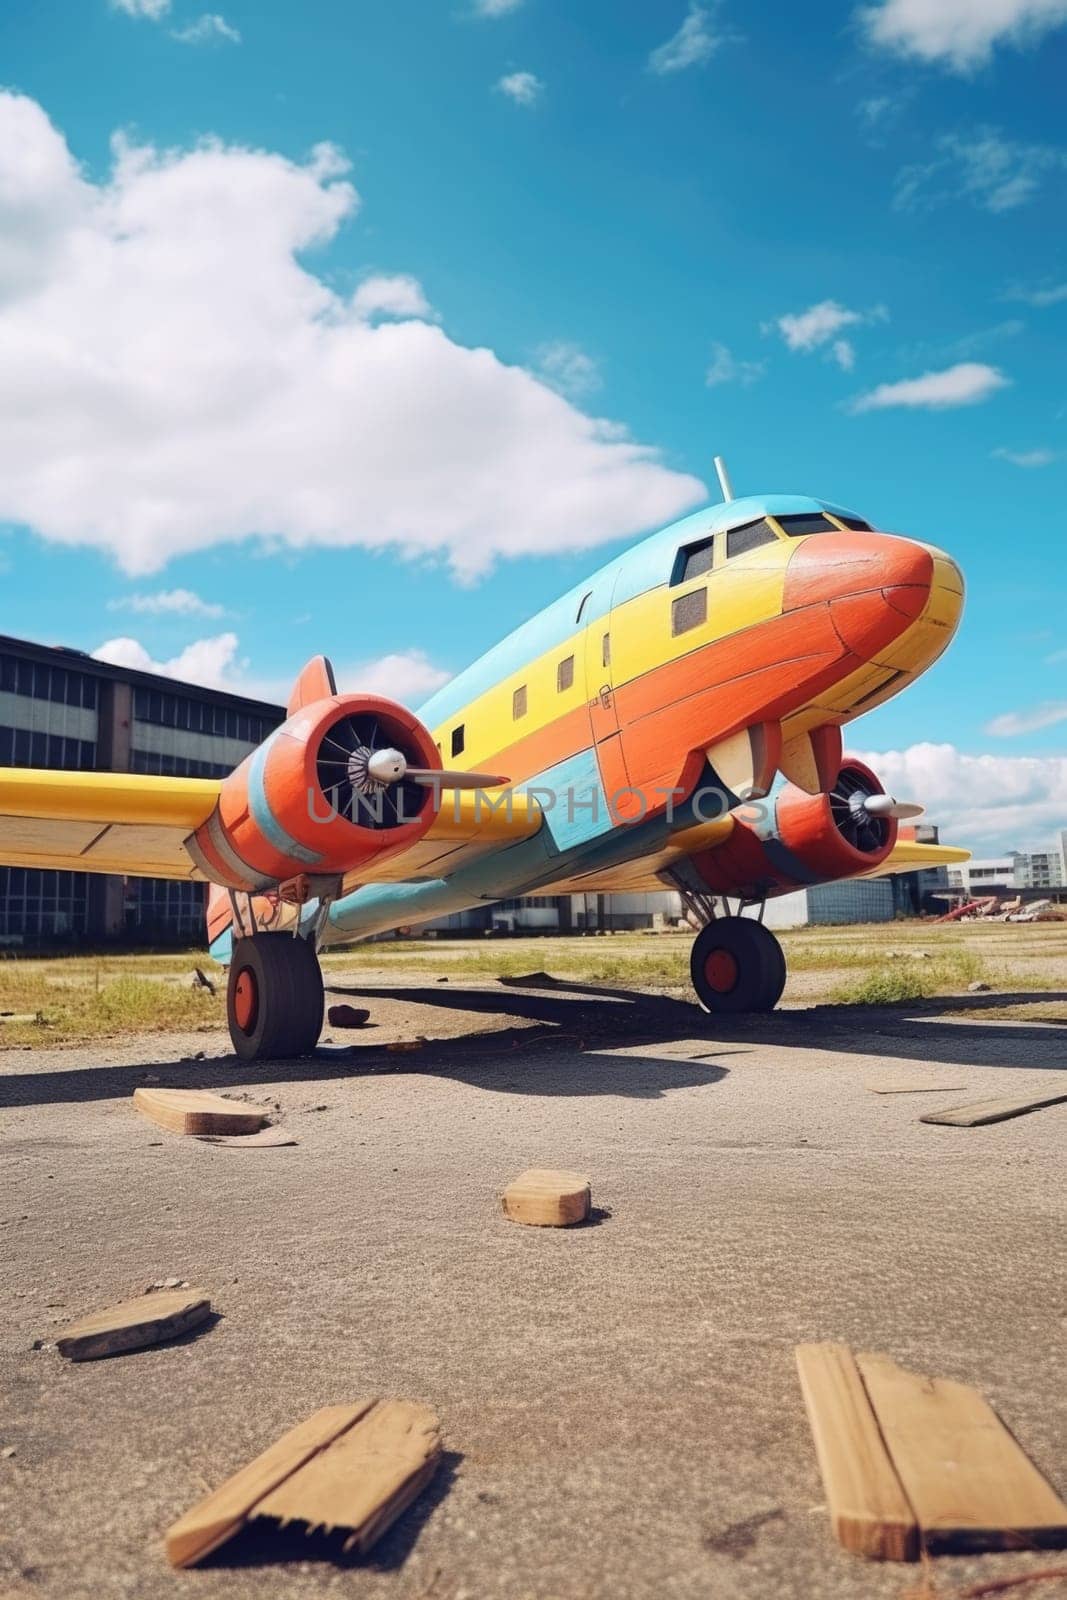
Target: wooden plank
998 1110
198 1111
367 1476
133 1324
225 1510
545 1199
868 1507
970 1483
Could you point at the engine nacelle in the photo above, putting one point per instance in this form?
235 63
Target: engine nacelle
303 802
792 840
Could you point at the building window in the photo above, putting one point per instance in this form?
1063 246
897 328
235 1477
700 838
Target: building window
605 650
518 703
689 611
583 603
749 537
565 674
458 739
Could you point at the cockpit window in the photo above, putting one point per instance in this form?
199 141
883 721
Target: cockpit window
749 537
695 561
814 522
855 523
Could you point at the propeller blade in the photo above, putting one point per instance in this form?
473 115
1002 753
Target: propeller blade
446 779
883 805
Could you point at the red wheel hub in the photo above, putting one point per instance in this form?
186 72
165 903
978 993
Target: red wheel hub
245 1001
721 971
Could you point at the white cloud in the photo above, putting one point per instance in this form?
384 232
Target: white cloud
1027 458
965 384
207 27
397 296
692 46
1011 723
495 8
167 602
725 368
1048 295
153 9
819 326
993 172
212 662
844 354
176 377
987 802
525 88
958 34
568 368
408 676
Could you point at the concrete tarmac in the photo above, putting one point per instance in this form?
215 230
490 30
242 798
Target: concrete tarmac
619 1401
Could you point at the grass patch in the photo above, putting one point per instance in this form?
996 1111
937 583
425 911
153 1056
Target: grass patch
63 1010
909 977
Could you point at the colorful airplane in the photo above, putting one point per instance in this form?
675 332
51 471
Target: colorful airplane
672 722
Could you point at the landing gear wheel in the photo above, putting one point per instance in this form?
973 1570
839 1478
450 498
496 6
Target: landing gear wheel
737 965
274 997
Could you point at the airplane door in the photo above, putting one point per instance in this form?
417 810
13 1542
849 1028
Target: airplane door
600 694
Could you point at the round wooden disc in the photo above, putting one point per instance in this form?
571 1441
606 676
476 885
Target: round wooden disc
545 1199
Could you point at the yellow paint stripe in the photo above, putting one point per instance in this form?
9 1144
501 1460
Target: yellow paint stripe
747 591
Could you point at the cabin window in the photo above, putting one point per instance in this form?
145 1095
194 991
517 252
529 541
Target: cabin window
749 536
694 560
565 674
518 703
458 739
855 523
689 611
605 650
797 526
583 603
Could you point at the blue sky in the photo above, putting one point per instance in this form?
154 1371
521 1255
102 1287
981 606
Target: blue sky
243 419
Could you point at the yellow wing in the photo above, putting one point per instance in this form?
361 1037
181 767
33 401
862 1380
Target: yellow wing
135 825
907 855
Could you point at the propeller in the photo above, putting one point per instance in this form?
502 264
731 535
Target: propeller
883 805
862 817
374 784
390 766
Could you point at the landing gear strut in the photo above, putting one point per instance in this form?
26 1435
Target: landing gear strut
274 998
737 965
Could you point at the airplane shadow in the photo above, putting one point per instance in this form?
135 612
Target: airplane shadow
570 1053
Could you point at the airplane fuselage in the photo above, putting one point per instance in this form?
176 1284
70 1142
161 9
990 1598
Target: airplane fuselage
778 612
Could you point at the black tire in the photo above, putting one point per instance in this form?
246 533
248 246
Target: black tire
274 997
737 965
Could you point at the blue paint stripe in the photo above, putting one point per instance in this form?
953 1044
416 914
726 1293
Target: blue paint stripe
263 816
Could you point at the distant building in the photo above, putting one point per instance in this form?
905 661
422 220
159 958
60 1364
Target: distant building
60 708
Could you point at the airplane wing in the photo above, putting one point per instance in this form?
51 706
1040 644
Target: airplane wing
907 855
135 825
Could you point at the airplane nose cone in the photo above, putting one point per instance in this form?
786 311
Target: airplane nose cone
874 584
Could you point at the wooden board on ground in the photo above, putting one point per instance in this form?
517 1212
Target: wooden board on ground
969 1482
999 1110
355 1467
868 1508
902 1086
135 1323
545 1199
265 1139
198 1111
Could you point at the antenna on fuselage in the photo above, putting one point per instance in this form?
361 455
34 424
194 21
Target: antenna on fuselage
724 479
